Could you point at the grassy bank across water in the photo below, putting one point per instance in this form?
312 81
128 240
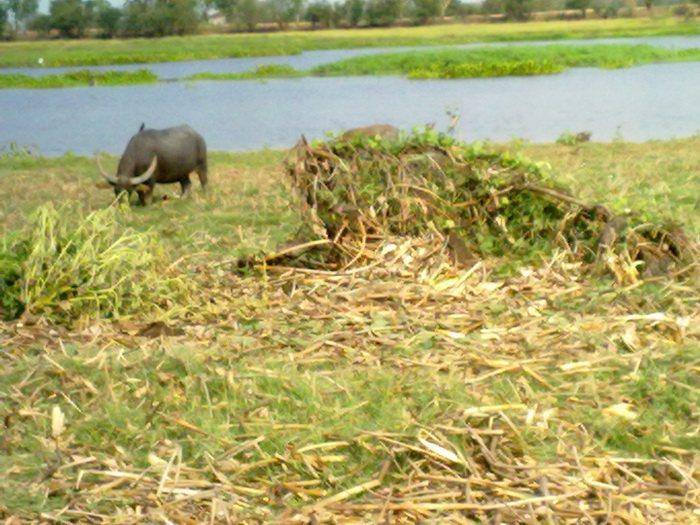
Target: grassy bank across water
373 395
504 61
260 72
78 78
434 63
198 47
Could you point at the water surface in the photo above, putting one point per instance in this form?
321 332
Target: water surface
309 59
657 101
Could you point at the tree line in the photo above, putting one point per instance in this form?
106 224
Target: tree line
155 18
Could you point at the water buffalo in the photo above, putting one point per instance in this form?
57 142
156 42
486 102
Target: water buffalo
382 131
160 156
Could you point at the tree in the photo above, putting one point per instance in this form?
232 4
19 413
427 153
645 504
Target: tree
580 5
160 17
241 12
3 20
517 10
425 10
249 13
70 17
320 13
41 24
382 13
460 9
282 12
493 7
21 11
353 10
138 18
108 19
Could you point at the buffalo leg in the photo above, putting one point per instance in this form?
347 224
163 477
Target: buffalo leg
203 180
185 186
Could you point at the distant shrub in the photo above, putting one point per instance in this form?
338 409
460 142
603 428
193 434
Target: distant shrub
569 138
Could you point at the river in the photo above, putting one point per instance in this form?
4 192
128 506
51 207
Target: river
657 101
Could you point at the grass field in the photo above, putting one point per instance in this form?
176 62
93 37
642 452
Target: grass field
384 394
100 52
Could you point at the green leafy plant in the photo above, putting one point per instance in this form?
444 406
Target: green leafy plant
64 268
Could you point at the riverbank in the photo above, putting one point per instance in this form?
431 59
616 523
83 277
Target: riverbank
198 47
504 61
272 394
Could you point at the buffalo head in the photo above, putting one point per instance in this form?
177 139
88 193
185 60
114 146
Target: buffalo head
127 183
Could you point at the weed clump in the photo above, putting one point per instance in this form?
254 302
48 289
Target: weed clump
261 71
474 202
482 70
64 268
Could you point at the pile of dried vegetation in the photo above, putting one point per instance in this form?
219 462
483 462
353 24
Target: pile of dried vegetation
364 195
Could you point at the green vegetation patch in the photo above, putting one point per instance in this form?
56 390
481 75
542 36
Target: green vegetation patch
65 265
79 78
653 178
433 63
516 60
261 71
500 69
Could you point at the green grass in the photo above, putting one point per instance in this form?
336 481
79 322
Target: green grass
78 78
101 52
481 70
601 173
445 63
520 60
261 71
272 389
219 225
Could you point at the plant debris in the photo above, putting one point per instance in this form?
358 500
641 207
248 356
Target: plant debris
363 194
473 464
385 370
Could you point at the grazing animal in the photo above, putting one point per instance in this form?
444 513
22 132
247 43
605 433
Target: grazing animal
162 156
383 131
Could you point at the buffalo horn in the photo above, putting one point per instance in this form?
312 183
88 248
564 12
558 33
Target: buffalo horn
110 178
135 181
